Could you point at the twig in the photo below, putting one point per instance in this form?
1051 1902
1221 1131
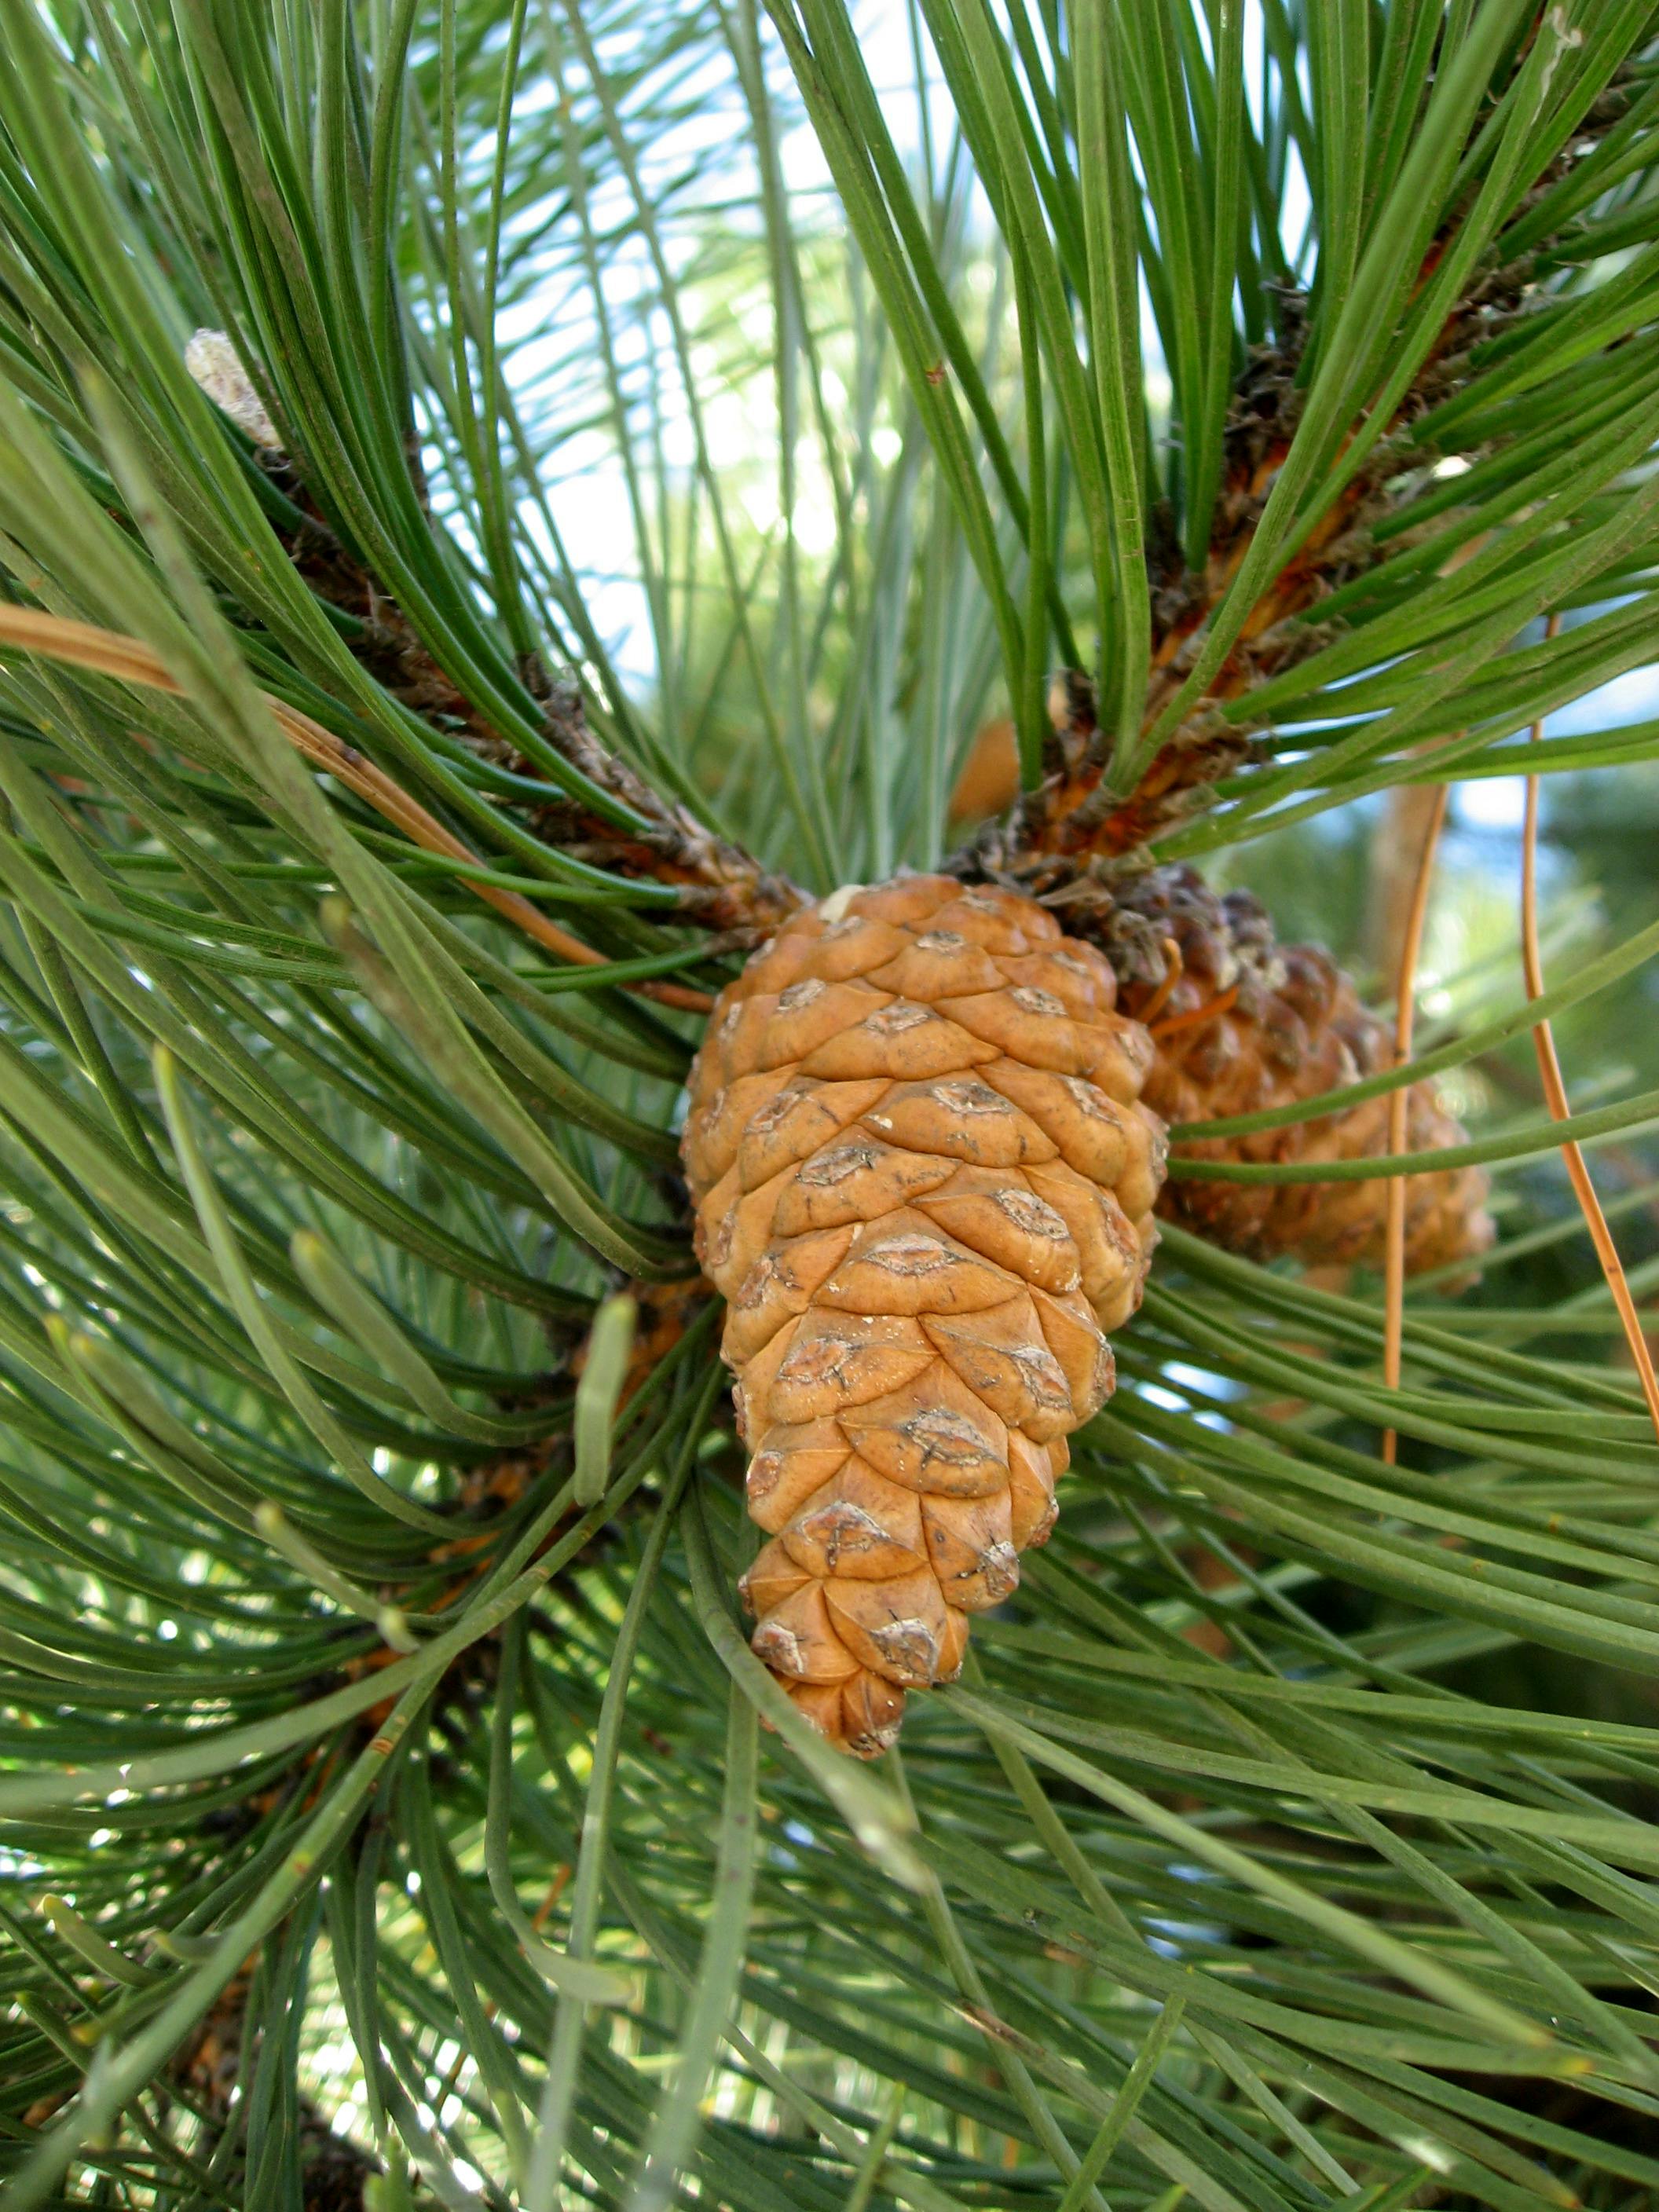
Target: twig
1394 1234
1210 1011
1172 973
1555 1094
132 662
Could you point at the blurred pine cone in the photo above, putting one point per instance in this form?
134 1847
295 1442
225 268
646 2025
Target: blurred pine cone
924 1183
1284 1024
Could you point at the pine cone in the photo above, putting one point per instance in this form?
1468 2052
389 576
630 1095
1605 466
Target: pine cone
924 1183
1287 1026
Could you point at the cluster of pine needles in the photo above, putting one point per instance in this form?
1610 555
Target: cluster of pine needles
497 502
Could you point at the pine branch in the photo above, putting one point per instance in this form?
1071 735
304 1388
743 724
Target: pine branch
723 889
1071 824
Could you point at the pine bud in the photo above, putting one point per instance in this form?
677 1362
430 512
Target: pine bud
216 366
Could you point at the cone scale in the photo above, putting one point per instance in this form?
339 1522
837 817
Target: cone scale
924 1183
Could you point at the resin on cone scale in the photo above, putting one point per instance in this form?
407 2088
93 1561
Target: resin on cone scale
924 1182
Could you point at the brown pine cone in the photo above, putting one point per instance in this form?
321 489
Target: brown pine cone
924 1183
1286 1024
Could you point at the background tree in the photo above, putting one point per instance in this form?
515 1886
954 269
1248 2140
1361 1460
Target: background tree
491 497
